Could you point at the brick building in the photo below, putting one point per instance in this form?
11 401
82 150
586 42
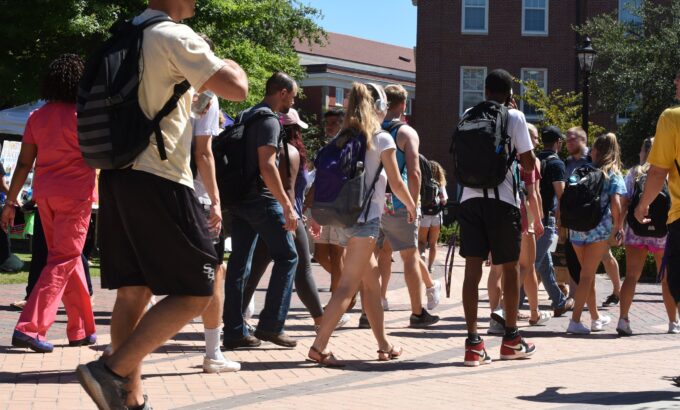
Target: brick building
459 41
332 68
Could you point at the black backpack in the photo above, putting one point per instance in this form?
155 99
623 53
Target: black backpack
580 205
658 211
481 147
429 187
229 150
112 129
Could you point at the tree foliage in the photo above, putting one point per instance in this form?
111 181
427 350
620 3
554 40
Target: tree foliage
635 67
258 34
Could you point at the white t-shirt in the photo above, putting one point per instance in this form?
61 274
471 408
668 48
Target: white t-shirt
519 140
206 124
381 142
171 53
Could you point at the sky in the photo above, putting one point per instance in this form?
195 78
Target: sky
366 19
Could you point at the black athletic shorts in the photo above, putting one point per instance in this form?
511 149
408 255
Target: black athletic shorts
490 225
673 259
152 232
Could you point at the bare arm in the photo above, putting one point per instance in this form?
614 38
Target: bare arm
535 209
288 181
617 219
205 164
25 162
229 82
558 186
266 156
528 161
389 161
656 177
411 143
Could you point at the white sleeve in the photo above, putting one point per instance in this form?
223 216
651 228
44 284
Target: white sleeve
384 141
208 123
519 133
445 196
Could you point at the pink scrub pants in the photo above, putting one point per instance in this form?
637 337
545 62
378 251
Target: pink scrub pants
65 221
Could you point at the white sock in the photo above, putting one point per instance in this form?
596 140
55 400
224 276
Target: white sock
212 344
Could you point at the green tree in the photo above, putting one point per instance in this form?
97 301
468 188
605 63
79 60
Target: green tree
258 34
635 67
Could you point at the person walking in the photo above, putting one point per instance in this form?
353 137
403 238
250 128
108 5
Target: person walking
431 221
64 189
637 248
160 245
365 111
591 246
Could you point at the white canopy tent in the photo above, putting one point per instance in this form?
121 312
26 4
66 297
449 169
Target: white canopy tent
13 120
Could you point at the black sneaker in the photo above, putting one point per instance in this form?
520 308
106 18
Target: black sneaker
281 339
247 341
102 385
363 322
423 320
612 300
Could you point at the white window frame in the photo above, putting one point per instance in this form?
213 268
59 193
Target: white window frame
545 88
407 109
546 19
473 31
341 92
461 109
622 5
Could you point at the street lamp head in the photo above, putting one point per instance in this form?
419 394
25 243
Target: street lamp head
586 55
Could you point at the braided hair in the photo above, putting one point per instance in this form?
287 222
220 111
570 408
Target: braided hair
62 78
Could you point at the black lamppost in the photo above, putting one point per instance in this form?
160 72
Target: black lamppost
586 59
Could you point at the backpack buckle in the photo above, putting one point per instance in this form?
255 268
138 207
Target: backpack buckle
113 100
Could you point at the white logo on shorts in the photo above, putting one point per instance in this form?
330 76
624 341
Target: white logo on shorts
209 270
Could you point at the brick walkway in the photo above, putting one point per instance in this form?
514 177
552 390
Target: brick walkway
600 371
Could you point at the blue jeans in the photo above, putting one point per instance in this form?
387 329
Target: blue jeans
544 263
252 218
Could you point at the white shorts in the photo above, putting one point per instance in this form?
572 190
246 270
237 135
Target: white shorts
331 235
427 221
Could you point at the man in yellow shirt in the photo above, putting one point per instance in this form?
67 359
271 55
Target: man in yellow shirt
665 162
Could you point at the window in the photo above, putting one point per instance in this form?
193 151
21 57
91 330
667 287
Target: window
626 8
535 17
339 96
540 76
471 87
475 16
407 111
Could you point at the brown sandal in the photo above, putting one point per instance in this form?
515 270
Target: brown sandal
393 353
324 359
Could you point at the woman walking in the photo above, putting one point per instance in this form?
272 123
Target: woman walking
366 110
591 246
637 248
431 221
64 189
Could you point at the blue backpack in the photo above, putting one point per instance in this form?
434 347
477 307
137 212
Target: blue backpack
340 195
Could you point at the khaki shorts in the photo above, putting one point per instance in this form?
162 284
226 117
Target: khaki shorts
427 221
331 235
401 234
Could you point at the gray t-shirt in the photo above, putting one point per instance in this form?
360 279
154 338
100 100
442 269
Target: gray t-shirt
261 133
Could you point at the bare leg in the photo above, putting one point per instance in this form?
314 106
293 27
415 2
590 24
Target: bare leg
337 255
511 292
433 239
413 279
669 303
425 273
322 255
527 271
635 259
384 256
422 239
212 316
493 286
473 274
589 256
370 298
611 266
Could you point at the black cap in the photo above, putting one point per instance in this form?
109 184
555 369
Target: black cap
551 134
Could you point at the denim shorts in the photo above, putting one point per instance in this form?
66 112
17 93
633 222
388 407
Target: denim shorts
369 229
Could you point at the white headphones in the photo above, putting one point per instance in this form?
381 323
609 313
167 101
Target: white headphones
381 103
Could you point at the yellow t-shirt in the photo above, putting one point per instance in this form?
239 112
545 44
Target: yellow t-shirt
171 53
665 151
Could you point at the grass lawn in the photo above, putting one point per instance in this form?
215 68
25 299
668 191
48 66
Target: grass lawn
21 276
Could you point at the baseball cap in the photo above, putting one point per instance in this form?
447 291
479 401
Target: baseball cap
293 118
551 134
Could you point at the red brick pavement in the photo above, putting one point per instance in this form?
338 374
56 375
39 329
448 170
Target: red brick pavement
600 371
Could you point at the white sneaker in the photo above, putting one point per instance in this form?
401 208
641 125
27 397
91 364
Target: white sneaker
499 316
250 309
433 294
674 327
623 327
217 366
599 324
385 305
495 328
577 328
343 320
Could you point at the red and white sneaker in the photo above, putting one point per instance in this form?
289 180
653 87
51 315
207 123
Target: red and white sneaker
475 354
516 348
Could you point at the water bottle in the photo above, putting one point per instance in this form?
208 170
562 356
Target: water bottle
202 102
360 167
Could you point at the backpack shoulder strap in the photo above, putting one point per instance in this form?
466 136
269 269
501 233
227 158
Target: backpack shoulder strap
169 106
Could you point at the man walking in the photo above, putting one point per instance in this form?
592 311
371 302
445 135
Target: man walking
394 225
266 211
160 243
551 186
490 222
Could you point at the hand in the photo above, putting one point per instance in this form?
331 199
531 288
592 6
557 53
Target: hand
641 213
538 228
8 213
215 218
290 217
616 237
315 229
412 214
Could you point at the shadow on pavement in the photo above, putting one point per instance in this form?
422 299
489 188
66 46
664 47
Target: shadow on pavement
40 377
552 395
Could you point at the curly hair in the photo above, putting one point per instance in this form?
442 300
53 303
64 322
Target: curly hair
294 138
61 81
